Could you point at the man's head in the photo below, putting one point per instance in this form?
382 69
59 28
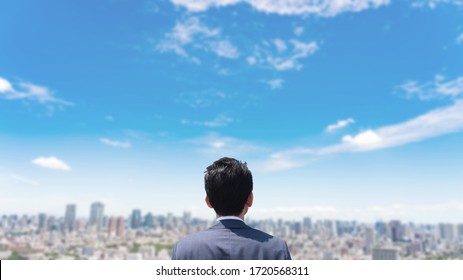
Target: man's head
228 184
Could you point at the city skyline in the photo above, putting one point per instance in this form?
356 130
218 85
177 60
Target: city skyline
342 109
153 237
136 217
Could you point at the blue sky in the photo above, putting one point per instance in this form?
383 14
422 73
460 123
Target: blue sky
342 109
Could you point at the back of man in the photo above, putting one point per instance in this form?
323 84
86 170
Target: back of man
231 239
228 184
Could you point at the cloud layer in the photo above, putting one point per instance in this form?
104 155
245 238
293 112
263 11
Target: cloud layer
31 92
191 35
435 123
220 121
339 124
116 143
324 8
440 87
282 55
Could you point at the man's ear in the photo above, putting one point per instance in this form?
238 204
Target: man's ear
250 200
208 202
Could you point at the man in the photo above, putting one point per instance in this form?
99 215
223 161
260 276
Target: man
228 184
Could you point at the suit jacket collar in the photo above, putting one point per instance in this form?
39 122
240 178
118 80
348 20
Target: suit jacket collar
229 223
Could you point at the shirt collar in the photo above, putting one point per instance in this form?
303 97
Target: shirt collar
229 218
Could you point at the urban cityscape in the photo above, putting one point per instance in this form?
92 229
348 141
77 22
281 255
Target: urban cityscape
148 236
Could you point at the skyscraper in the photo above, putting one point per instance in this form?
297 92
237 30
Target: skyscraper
112 226
381 228
369 240
70 217
120 226
135 219
330 228
42 223
460 231
96 215
307 224
396 230
148 222
447 232
186 218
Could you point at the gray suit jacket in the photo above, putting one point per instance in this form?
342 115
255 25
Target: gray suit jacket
231 240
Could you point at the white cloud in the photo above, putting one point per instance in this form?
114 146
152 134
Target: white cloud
5 85
362 139
219 121
29 91
450 88
190 36
280 45
51 163
438 88
460 38
109 118
217 145
183 34
432 4
435 123
325 8
194 35
202 5
298 30
432 124
251 60
225 49
338 125
275 84
300 50
280 56
115 143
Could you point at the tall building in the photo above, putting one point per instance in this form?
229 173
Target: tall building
460 231
149 219
96 215
112 226
135 219
51 223
42 223
369 240
187 218
120 226
297 227
381 228
307 224
447 232
330 227
396 230
70 217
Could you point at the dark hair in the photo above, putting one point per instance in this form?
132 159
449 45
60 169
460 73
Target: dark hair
228 183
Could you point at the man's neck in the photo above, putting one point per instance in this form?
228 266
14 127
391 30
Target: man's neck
240 216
